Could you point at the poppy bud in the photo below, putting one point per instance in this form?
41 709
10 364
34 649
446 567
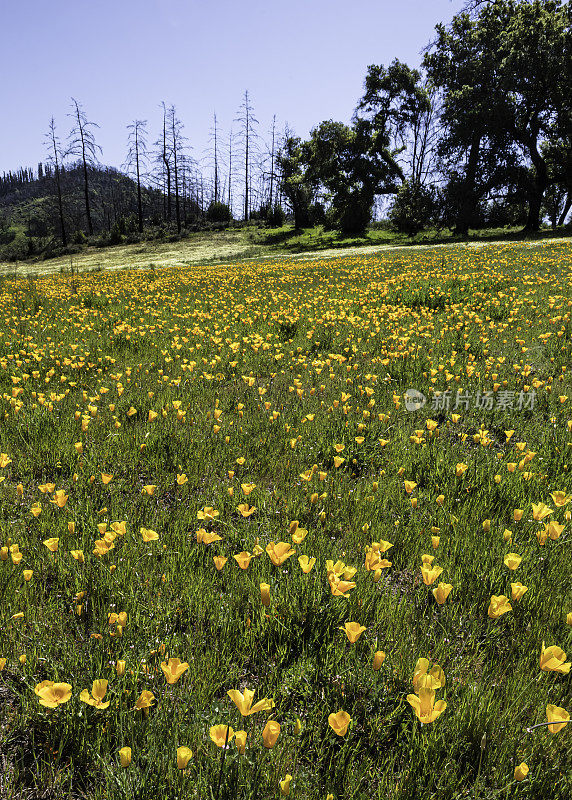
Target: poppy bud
265 594
184 755
240 741
378 659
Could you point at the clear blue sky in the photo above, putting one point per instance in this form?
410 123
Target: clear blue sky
303 60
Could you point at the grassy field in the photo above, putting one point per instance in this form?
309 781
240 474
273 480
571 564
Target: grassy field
249 242
178 444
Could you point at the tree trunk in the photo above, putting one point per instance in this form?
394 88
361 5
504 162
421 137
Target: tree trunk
537 187
566 209
139 202
468 204
86 194
61 209
246 209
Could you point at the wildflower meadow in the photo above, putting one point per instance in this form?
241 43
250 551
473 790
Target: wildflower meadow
289 528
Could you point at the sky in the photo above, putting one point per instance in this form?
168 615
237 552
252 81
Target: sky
302 60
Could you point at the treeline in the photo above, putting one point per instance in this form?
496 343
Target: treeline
480 135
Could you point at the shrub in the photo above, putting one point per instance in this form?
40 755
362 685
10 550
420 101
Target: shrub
276 216
413 209
219 212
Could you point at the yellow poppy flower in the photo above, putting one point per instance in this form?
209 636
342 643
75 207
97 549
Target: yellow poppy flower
339 722
53 694
207 537
540 511
299 535
430 573
426 710
145 699
353 631
148 535
184 755
560 498
240 741
60 498
521 771
306 563
434 679
378 659
285 785
553 659
245 510
243 559
341 588
279 552
554 529
498 606
265 594
442 592
243 702
558 716
512 561
125 756
518 591
270 733
98 690
173 669
52 544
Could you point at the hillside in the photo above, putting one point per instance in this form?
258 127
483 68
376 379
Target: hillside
29 213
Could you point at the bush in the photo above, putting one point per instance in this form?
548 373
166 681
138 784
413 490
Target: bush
116 232
413 209
276 216
17 250
219 212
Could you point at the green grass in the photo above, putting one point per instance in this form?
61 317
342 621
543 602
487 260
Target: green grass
250 242
331 345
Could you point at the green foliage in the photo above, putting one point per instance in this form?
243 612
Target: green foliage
276 216
219 212
414 208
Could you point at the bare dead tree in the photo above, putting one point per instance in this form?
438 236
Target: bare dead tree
165 156
248 137
177 140
272 162
215 160
230 170
55 159
82 143
136 159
